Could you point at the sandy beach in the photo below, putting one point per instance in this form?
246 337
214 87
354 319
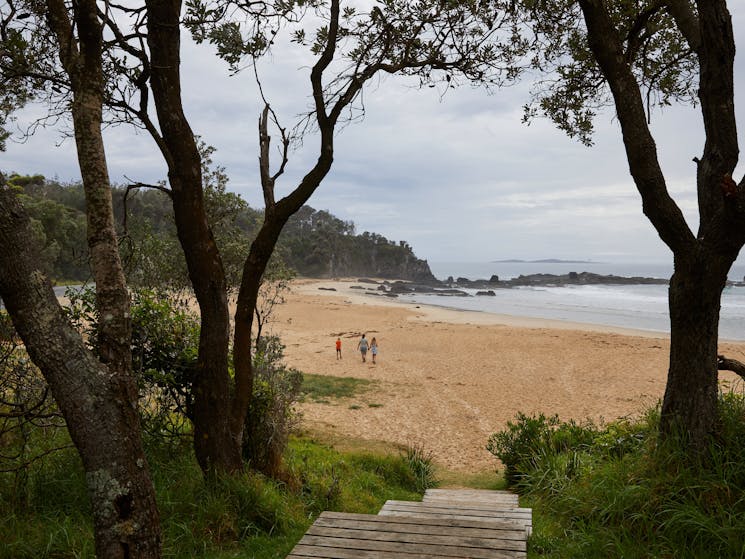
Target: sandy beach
447 379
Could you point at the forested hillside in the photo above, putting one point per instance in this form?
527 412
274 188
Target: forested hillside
314 243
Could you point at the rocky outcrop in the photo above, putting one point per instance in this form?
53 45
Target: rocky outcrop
486 288
572 278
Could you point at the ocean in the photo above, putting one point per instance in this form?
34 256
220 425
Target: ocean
642 307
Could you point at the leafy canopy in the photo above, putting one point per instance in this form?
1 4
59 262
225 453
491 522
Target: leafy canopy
571 88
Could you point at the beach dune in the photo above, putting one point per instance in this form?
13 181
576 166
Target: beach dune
446 380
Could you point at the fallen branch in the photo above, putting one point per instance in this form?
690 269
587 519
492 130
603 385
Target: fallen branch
725 364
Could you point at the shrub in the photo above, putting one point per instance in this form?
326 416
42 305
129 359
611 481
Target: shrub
528 440
165 346
271 416
31 426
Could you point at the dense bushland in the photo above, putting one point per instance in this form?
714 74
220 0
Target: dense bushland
313 243
615 491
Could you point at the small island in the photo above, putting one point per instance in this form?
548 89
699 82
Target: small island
543 261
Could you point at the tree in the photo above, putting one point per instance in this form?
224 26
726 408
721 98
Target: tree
351 48
97 395
640 53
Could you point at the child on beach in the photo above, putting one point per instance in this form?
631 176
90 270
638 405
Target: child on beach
374 348
362 346
338 348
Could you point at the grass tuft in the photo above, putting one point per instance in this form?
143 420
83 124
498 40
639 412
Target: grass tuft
324 388
421 463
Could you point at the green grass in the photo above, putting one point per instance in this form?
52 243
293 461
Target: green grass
613 492
324 388
246 516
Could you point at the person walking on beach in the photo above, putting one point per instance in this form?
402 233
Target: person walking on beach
374 348
338 348
362 346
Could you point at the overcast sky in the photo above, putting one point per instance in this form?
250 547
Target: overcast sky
459 177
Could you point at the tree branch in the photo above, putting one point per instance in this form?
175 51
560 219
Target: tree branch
24 412
726 364
686 21
633 38
134 186
641 150
267 181
316 75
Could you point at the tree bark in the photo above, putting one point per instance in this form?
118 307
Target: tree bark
97 398
689 407
216 448
82 62
98 403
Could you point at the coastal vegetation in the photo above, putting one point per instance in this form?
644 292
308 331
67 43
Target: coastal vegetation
313 243
617 490
43 484
322 388
45 512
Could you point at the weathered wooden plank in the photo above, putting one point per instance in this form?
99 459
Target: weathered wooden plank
473 498
511 502
495 530
458 503
497 516
525 524
454 524
491 513
520 518
322 552
471 490
459 507
445 539
452 551
477 492
474 495
520 521
432 520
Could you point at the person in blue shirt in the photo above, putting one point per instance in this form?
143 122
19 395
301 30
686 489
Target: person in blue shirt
362 346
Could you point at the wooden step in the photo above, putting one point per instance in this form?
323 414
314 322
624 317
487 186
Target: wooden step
360 536
471 496
521 516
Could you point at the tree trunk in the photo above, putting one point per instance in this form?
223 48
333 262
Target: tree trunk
98 398
253 271
98 404
690 403
215 448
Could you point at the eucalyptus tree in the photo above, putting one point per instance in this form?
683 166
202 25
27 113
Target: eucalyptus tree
96 394
634 55
433 39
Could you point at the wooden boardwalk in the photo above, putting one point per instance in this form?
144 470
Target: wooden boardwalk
461 524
